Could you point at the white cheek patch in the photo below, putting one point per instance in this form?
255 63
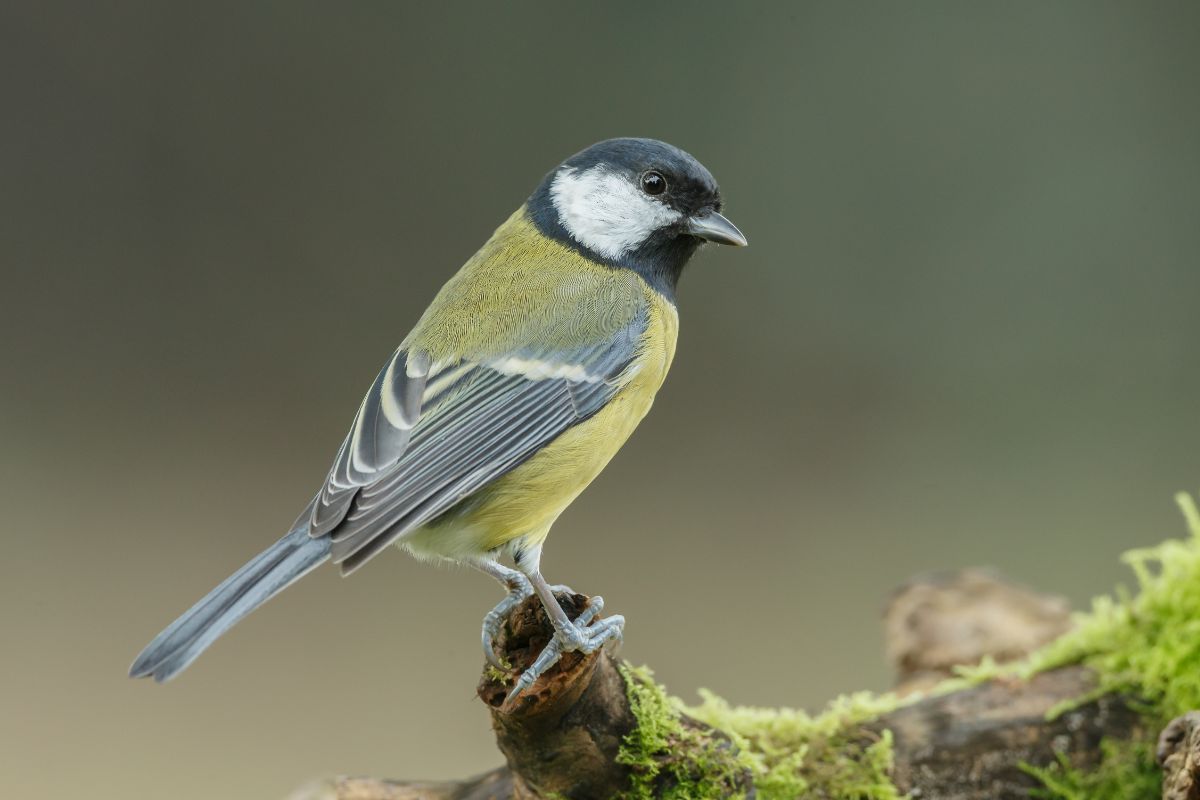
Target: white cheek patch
606 212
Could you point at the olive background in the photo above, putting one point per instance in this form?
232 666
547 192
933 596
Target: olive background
965 333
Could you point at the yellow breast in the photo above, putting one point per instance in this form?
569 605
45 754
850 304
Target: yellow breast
527 501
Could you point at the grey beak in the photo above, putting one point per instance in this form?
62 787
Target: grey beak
715 228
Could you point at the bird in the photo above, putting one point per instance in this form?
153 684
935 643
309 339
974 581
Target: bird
522 379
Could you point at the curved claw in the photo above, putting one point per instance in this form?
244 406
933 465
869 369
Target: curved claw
491 628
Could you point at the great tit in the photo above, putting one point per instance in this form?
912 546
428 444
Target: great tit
525 375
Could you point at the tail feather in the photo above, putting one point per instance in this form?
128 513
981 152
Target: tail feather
263 577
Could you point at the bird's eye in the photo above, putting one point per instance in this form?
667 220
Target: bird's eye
653 182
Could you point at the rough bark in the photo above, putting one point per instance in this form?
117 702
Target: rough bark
1179 756
561 738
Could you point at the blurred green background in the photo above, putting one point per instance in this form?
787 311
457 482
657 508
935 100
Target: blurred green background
965 333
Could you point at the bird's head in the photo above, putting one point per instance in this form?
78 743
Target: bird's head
635 203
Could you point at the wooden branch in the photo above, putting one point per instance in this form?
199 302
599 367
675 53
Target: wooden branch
562 736
970 745
561 739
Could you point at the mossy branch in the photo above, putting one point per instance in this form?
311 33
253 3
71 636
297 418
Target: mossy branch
1002 695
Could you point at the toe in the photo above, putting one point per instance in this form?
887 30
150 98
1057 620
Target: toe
489 652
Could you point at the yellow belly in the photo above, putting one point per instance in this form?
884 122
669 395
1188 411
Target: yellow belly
526 502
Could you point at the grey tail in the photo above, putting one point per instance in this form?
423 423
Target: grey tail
263 577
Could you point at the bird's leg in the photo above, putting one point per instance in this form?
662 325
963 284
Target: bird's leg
518 589
583 634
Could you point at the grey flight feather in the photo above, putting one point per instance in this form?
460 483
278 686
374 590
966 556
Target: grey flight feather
377 439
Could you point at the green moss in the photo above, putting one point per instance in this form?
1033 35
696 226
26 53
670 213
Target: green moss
669 758
793 754
1127 772
788 753
493 675
1144 645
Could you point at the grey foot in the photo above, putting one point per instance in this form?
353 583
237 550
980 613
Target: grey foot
518 589
582 635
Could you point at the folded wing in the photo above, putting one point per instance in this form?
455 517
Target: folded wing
429 435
